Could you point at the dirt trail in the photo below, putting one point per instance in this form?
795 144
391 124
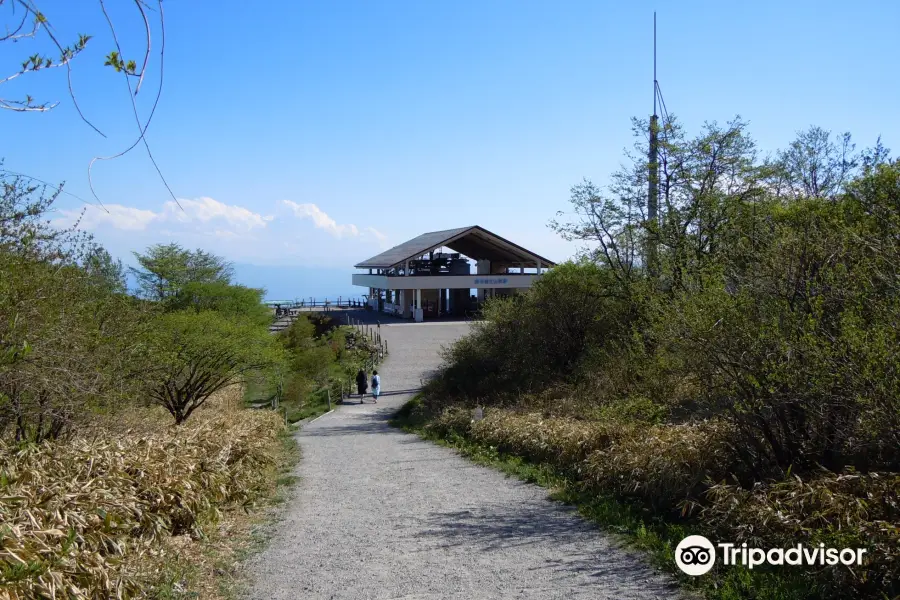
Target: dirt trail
381 514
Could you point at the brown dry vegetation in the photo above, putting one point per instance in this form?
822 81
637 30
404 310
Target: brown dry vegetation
113 512
673 469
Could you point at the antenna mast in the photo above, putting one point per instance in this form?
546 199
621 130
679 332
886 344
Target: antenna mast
653 163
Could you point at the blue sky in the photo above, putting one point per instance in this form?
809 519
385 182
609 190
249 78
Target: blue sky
313 134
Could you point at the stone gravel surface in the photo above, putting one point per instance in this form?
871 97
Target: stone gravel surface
381 514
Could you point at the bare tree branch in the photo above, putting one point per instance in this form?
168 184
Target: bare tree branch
142 127
14 34
66 55
140 6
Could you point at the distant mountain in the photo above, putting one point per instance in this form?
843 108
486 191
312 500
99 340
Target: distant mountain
296 282
291 282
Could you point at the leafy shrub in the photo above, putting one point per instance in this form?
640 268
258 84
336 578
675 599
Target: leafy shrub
194 355
801 353
68 335
525 343
751 334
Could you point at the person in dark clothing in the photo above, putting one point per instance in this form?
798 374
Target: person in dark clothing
362 383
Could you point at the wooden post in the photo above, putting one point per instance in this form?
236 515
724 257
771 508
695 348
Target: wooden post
329 397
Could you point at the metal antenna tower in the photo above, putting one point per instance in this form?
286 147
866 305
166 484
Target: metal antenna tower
653 163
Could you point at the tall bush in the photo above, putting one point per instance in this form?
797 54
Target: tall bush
192 355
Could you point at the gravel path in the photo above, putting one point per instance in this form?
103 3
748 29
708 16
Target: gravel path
382 514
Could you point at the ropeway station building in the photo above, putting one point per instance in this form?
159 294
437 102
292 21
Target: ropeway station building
435 273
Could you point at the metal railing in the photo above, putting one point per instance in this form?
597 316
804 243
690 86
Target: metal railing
283 308
379 352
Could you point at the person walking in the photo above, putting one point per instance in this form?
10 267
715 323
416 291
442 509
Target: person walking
376 385
361 384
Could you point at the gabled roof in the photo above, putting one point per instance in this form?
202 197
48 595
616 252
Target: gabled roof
475 242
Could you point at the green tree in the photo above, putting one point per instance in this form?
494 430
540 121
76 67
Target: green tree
166 268
815 165
192 355
105 270
67 345
225 298
700 181
66 336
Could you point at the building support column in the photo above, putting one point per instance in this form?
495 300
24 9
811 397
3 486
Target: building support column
419 314
403 301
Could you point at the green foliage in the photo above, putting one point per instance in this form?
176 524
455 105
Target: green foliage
799 349
320 359
67 336
776 313
192 355
166 268
114 60
108 272
72 343
212 333
227 299
751 336
66 344
527 342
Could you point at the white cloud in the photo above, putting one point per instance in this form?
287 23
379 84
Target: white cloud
115 215
207 209
236 232
200 210
321 220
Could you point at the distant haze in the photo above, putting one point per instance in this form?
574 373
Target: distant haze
296 282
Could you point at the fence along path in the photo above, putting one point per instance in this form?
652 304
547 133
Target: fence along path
381 514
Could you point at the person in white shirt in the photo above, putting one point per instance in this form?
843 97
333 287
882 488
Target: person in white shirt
376 385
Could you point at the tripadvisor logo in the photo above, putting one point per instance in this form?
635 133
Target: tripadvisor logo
696 555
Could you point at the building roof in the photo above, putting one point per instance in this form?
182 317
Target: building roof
475 242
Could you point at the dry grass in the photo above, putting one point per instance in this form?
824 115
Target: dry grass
562 442
850 510
671 469
663 465
95 516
